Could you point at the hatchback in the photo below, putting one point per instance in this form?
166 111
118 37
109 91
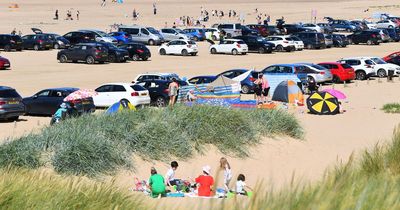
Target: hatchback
340 71
11 106
369 37
110 93
179 47
10 42
137 51
37 42
158 90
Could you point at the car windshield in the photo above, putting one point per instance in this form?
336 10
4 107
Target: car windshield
191 42
378 60
152 30
102 34
241 42
9 94
179 31
318 67
261 39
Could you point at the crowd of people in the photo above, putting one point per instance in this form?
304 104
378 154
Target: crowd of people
204 185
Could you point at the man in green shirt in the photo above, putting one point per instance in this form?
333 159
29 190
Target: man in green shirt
157 184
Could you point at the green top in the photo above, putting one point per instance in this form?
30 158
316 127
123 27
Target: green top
157 184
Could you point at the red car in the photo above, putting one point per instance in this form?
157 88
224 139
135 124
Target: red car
4 63
340 71
393 58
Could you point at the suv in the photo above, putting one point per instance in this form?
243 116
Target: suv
382 68
364 68
158 90
368 36
115 54
88 52
100 36
294 28
9 42
170 34
11 106
146 35
257 44
37 42
137 51
230 46
76 37
198 34
282 43
343 25
312 40
159 76
231 29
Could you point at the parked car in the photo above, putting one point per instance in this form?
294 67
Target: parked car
10 42
313 27
246 82
273 30
121 37
230 29
312 40
327 29
46 102
386 24
282 43
212 34
179 47
260 28
393 58
317 73
283 70
115 54
230 46
343 25
198 34
100 36
382 68
363 68
298 44
248 31
339 40
137 51
328 40
145 35
158 90
110 93
384 34
159 76
37 42
369 37
88 52
257 44
393 34
201 80
76 37
341 71
294 28
4 63
11 106
170 34
58 41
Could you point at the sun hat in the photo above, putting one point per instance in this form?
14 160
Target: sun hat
207 169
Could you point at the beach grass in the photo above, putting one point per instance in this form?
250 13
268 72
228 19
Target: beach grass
102 144
391 108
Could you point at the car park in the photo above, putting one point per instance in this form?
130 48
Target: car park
100 36
87 52
111 93
282 43
201 80
312 40
179 47
341 71
369 37
11 106
363 68
37 42
257 44
229 46
137 51
76 37
46 102
145 35
4 63
298 44
386 24
197 34
170 34
244 76
10 42
317 73
121 37
158 90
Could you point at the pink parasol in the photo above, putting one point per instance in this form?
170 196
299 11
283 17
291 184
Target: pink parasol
336 93
80 94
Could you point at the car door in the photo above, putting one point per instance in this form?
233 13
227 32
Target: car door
118 92
73 52
172 47
27 42
54 101
103 96
252 43
145 35
135 34
167 34
38 104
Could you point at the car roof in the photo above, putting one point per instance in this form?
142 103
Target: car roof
154 80
205 76
118 83
6 88
235 40
131 26
157 73
329 63
63 89
287 64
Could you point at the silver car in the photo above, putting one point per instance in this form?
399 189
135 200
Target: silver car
11 106
170 34
101 36
317 73
145 35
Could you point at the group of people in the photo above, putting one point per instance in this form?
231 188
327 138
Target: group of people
261 89
69 15
203 185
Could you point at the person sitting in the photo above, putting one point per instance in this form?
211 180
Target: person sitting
60 114
190 96
170 176
156 184
241 185
205 182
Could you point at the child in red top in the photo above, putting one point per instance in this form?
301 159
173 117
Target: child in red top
205 182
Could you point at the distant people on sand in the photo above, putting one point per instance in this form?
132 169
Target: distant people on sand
134 14
14 31
77 14
205 182
226 167
154 8
156 184
69 15
103 3
56 15
173 92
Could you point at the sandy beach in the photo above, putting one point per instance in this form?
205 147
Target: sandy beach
328 139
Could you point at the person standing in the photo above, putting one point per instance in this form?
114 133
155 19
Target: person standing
265 89
205 182
258 88
154 8
77 14
224 165
173 92
14 31
156 184
103 3
56 15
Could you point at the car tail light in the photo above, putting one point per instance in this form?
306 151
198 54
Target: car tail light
238 45
166 91
40 41
189 45
134 94
2 103
139 50
285 42
252 79
322 72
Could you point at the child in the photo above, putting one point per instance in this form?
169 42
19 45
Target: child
170 176
205 182
241 185
156 184
224 164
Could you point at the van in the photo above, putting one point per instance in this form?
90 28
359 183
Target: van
146 35
231 29
312 40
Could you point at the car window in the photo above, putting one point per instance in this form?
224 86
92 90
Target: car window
270 69
139 87
104 88
118 88
207 80
84 47
133 31
284 69
378 60
144 31
173 43
345 66
240 42
300 69
9 94
229 74
44 93
56 93
334 66
194 80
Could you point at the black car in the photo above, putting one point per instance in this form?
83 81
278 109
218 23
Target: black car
58 41
312 40
257 44
76 37
339 40
11 106
158 90
47 102
293 28
393 34
88 52
137 51
37 42
10 42
273 30
115 54
248 31
368 36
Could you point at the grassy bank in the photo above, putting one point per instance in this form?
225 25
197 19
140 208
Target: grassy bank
102 144
391 108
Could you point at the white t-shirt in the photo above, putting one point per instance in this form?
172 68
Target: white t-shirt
240 186
170 175
227 175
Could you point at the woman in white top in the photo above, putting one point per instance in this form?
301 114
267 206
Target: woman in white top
224 165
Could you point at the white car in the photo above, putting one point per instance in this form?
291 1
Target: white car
313 27
382 68
317 73
155 76
109 94
282 43
386 24
179 47
230 46
364 68
212 34
298 43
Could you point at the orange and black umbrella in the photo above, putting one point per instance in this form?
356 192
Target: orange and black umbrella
323 103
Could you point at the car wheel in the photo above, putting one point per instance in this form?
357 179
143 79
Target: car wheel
369 42
12 119
195 38
390 26
56 46
261 50
161 102
279 48
63 58
381 73
213 37
245 89
152 42
7 48
310 79
163 52
213 51
335 79
135 57
234 52
36 47
229 36
360 75
193 54
184 52
112 58
90 60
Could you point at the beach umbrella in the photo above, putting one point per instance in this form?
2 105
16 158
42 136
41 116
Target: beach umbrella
323 103
336 93
80 94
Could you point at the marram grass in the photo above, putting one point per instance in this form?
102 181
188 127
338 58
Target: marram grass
391 108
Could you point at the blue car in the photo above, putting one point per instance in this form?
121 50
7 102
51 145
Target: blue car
284 70
247 83
394 34
198 34
344 25
121 37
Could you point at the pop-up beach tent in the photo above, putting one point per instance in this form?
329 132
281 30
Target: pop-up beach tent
288 92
